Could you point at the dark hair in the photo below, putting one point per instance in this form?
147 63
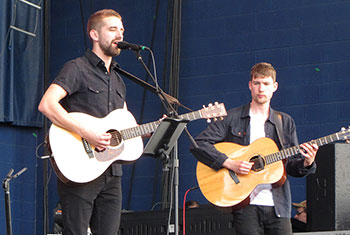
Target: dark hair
263 69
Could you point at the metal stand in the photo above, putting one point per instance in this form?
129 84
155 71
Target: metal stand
165 144
161 144
6 186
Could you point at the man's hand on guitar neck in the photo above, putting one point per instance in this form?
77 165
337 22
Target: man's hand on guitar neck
309 153
238 166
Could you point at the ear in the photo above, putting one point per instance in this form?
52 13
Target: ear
94 35
250 85
275 86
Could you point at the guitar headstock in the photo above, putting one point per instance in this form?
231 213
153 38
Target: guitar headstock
214 111
344 134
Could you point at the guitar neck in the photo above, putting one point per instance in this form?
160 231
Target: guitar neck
147 128
292 151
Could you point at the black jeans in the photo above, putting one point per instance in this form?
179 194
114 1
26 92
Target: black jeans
97 203
260 220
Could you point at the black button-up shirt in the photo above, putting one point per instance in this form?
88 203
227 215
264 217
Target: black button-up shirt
91 88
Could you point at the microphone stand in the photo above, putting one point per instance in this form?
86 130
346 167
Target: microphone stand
6 186
158 91
170 99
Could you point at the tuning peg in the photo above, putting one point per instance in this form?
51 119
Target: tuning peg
210 104
208 121
343 129
347 141
216 103
215 119
221 118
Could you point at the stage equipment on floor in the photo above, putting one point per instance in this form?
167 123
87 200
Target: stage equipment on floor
204 220
328 201
6 186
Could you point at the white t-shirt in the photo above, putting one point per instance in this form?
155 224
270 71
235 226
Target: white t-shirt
262 194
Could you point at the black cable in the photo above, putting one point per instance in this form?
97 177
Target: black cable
166 49
46 38
165 176
175 55
83 23
174 91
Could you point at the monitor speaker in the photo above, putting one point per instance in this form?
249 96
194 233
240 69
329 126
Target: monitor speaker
328 190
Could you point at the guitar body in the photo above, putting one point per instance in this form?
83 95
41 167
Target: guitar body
70 160
75 160
220 189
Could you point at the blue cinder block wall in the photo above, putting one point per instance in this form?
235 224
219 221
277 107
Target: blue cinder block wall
307 42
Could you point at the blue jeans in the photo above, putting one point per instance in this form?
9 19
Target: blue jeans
260 220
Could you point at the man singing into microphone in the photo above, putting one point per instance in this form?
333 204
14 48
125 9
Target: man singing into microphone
90 84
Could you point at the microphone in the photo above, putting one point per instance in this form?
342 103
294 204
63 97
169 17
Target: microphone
129 46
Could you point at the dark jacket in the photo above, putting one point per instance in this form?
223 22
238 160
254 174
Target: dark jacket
235 128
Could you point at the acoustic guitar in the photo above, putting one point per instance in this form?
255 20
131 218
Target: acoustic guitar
225 188
75 160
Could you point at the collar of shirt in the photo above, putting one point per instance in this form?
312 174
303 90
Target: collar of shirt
246 110
95 60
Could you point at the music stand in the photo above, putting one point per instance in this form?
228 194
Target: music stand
164 138
160 145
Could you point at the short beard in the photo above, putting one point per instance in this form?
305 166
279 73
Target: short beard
110 50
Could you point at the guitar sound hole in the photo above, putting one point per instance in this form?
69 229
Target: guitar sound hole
259 163
116 137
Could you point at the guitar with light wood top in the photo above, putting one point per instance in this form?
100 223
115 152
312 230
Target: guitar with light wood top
225 188
75 160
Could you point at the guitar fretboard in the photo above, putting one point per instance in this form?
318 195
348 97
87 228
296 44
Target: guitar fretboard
152 126
288 152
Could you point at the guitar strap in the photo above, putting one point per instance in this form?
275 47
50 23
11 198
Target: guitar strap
279 129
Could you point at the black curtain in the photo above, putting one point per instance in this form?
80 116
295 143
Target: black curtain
21 62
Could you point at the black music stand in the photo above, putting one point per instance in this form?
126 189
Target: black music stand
164 138
160 145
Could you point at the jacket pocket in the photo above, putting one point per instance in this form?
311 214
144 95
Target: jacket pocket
237 135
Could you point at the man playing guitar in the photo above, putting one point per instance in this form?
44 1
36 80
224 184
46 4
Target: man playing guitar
269 208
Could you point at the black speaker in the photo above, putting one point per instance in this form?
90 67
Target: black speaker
328 190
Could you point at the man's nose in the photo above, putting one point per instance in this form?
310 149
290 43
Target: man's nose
120 34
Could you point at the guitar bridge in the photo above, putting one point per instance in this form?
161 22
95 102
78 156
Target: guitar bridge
89 151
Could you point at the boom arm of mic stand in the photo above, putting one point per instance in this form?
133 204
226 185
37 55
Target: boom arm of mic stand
166 103
161 94
169 98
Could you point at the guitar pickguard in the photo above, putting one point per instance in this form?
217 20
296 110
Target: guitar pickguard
109 153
